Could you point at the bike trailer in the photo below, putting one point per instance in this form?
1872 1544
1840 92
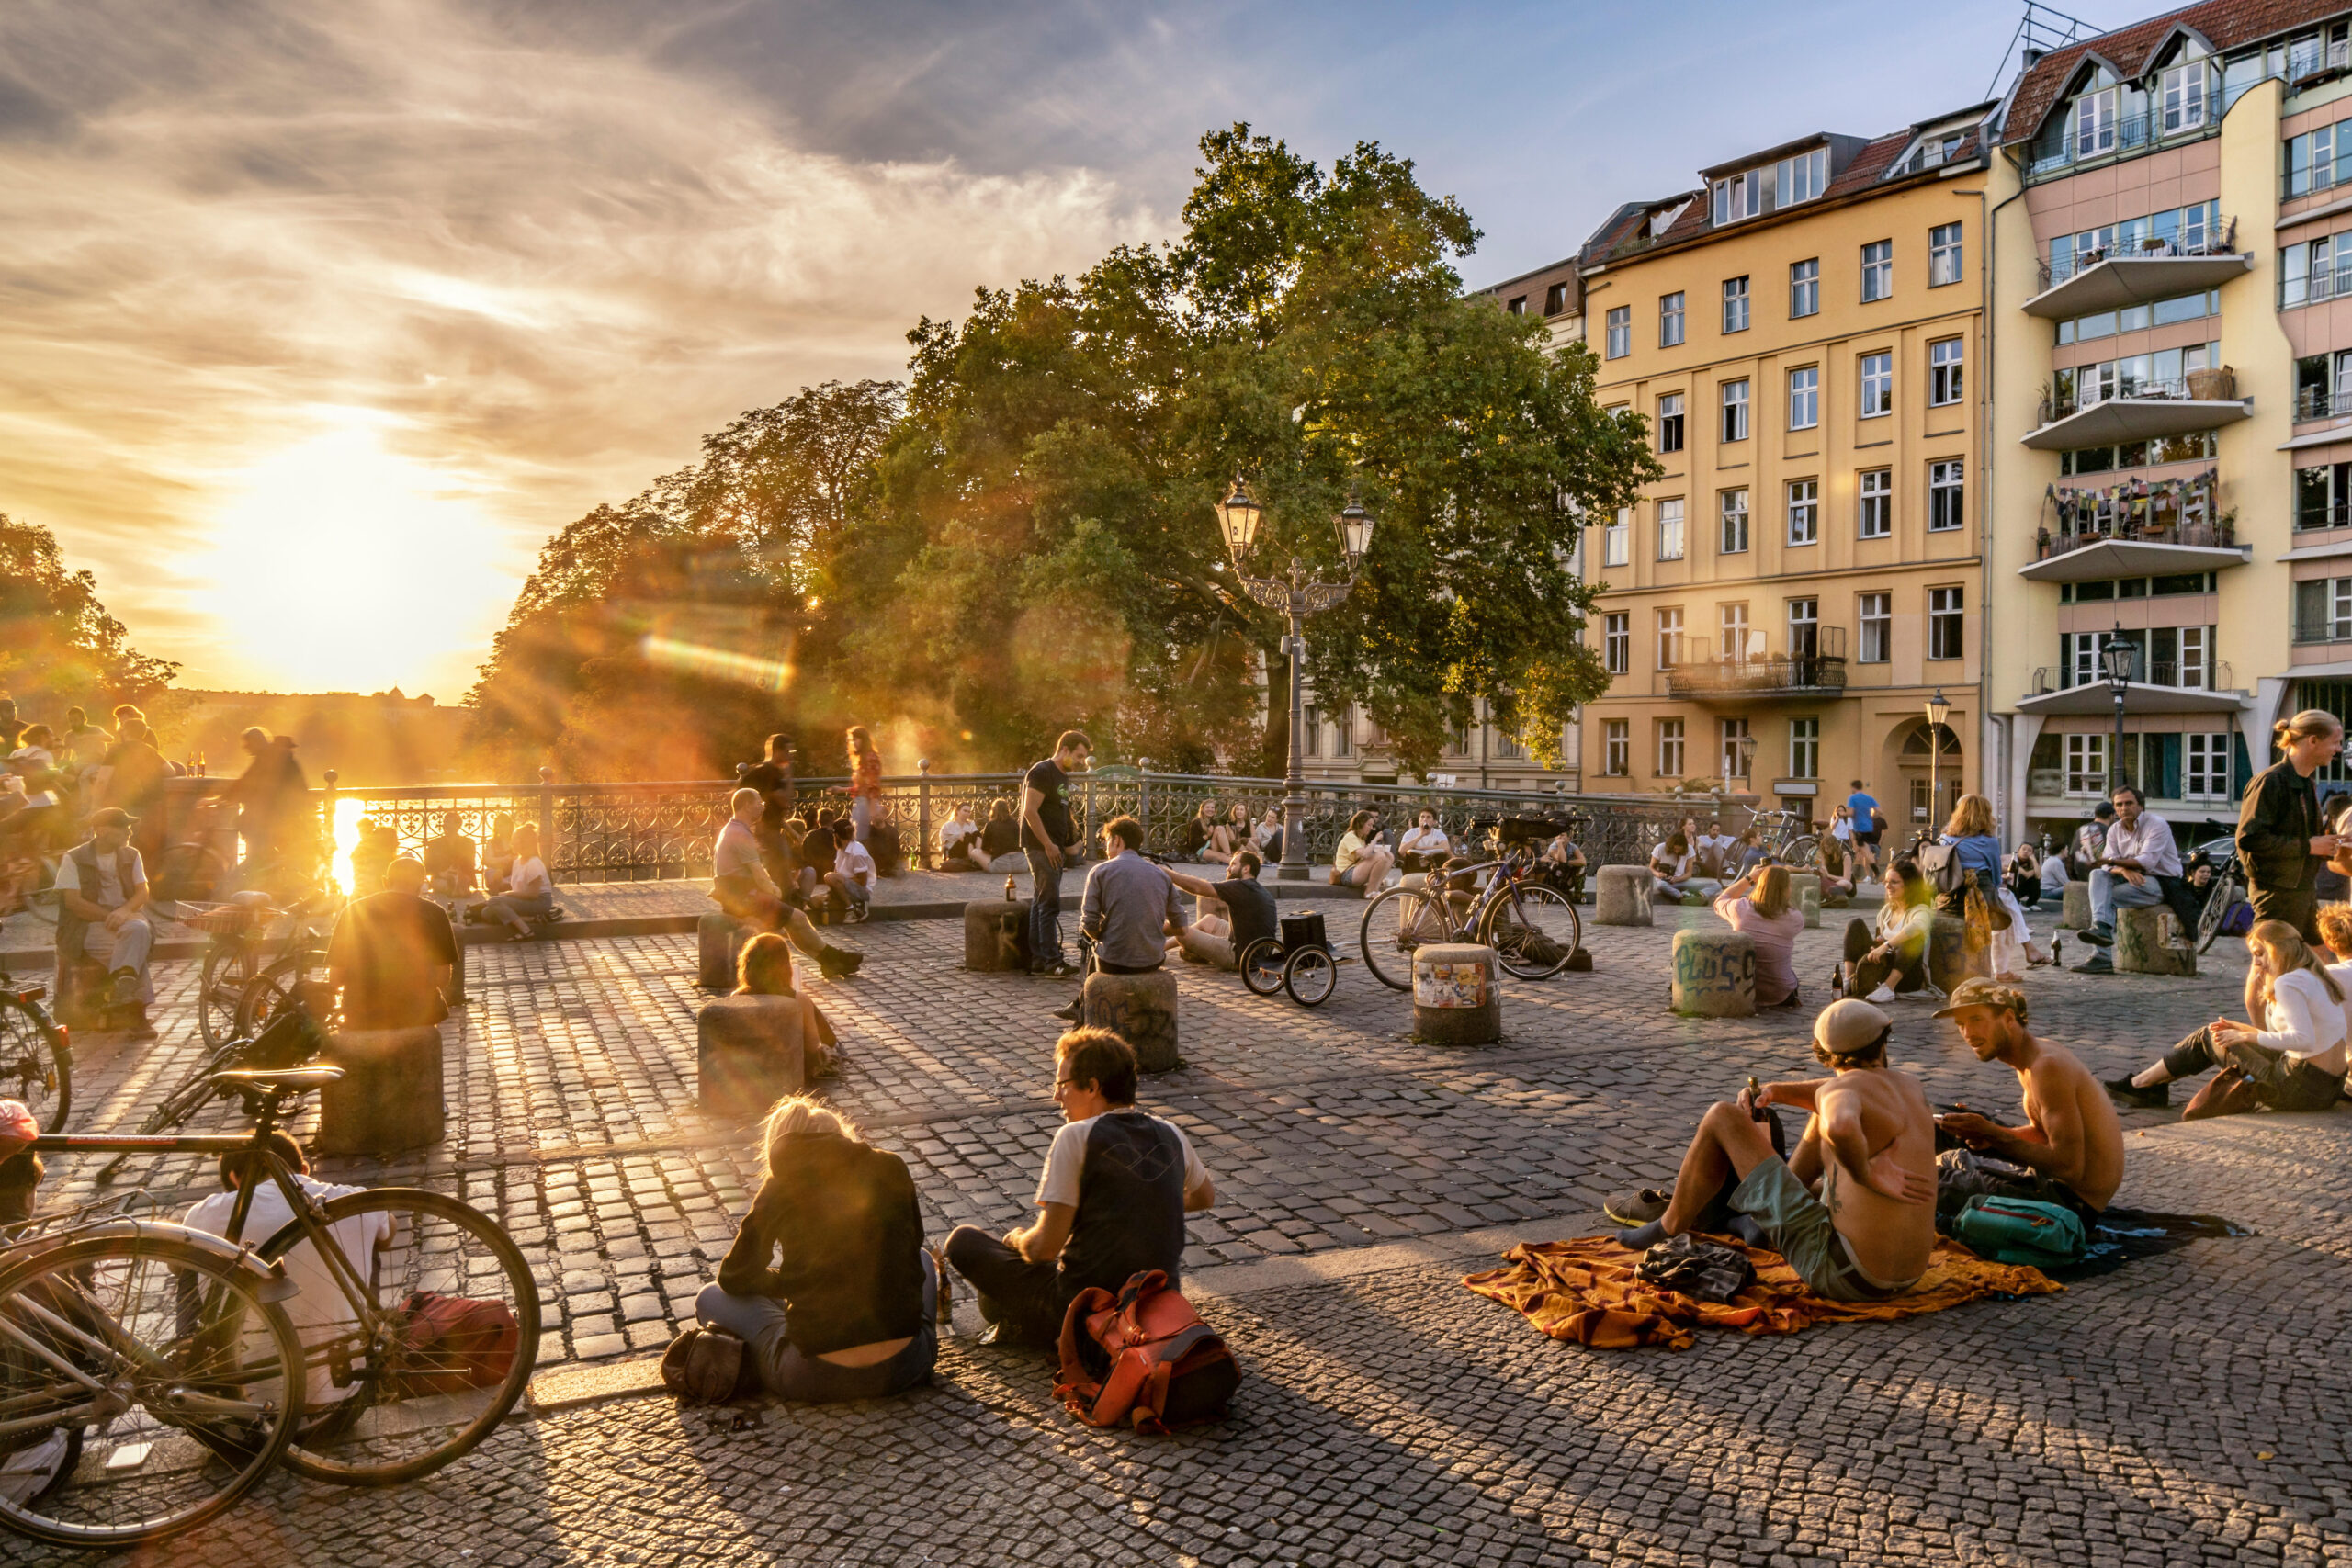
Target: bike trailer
1304 928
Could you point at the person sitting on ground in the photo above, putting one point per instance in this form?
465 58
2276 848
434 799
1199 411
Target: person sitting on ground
1673 873
1562 863
498 855
2071 1146
827 1284
1129 907
2141 862
2054 875
740 884
1853 1210
1360 859
393 954
102 897
35 754
765 969
2296 1061
449 860
2022 875
1192 843
1835 867
1231 834
960 839
1269 834
85 743
1111 1201
530 892
1759 906
1896 962
852 873
1000 840
1424 846
814 853
372 856
1714 851
1249 913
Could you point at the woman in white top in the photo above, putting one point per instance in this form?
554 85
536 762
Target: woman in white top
1841 825
530 895
959 836
2295 1062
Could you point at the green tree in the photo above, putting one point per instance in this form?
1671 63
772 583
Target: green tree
58 645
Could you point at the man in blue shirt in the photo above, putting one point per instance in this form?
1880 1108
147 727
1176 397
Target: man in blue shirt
1866 823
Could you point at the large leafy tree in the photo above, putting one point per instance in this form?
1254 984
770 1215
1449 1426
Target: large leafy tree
58 645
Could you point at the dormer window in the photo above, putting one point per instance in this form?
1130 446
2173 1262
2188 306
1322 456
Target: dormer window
2095 123
1754 192
2183 92
1742 196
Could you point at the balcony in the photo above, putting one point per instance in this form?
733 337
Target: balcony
2322 628
2099 536
2059 148
2145 410
2314 288
2158 269
1814 667
2200 687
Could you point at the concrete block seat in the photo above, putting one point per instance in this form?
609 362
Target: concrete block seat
2151 941
1138 1008
996 936
720 940
1621 897
1804 894
388 1097
2074 907
1457 995
748 1054
1714 974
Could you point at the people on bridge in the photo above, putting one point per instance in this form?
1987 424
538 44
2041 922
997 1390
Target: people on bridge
1000 848
772 777
960 839
530 891
1047 836
102 903
1853 1210
2294 1061
393 954
1232 913
865 782
450 859
272 799
2281 834
1111 1201
2071 1147
852 873
740 884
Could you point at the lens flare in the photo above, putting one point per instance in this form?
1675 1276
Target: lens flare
716 663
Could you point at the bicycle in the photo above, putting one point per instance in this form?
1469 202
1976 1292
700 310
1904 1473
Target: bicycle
394 1385
1531 926
2229 888
1785 836
246 978
36 1055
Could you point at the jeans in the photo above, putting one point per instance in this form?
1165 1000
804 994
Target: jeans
516 910
1026 1297
759 1323
2279 1081
2109 893
125 949
1045 910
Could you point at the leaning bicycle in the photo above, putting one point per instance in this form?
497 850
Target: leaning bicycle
1533 926
36 1055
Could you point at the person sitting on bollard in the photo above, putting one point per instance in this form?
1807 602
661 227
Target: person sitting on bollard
740 884
1249 913
1969 834
1129 908
530 892
2139 870
1760 906
852 873
827 1287
1853 1210
1896 962
1562 864
1424 846
102 896
1112 1200
2295 1062
449 860
1360 859
393 954
960 839
2071 1147
765 969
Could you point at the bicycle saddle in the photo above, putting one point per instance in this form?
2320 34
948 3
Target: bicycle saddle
281 1080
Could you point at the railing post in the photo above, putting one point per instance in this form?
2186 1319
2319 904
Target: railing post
1143 797
547 820
922 812
327 821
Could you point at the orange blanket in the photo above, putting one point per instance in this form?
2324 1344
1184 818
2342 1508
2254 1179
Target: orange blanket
1586 1290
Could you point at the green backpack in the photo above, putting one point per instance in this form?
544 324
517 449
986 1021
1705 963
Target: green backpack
2020 1230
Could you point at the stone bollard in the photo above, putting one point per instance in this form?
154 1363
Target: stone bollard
1805 894
1140 1010
1621 897
748 1054
720 939
1714 974
1457 995
388 1097
2145 943
2074 910
1948 960
996 937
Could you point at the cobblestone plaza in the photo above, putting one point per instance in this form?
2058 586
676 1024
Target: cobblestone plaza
2185 1409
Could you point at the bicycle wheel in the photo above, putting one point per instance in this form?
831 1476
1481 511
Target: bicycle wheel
145 1386
1310 977
1396 923
36 1064
387 1399
274 988
1262 966
1533 931
228 969
1803 852
2216 912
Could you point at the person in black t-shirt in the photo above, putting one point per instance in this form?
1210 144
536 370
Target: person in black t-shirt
773 778
393 954
1247 913
1111 1201
1047 836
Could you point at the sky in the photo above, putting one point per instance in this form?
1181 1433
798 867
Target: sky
317 320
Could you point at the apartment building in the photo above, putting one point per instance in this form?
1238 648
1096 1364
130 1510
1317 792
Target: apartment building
2172 426
1804 332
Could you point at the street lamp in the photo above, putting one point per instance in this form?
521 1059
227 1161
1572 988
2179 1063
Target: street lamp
1939 710
2118 656
1298 596
1748 757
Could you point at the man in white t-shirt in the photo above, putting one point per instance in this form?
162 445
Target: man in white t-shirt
1424 846
852 873
102 897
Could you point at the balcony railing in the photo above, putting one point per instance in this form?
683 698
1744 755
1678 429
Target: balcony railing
2220 239
1814 662
2131 132
2325 514
2328 628
2192 675
2318 402
2198 386
2322 283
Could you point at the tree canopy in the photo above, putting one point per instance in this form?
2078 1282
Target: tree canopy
58 645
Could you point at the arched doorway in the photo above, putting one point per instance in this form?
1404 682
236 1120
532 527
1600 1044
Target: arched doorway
1916 809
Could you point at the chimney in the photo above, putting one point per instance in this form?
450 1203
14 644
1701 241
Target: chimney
2029 58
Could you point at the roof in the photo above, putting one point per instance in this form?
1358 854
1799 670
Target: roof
2222 25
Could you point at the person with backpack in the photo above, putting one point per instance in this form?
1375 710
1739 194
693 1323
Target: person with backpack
1975 851
1111 1201
2071 1147
2295 1061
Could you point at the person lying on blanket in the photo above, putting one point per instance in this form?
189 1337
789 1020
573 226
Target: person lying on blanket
1854 1211
2072 1145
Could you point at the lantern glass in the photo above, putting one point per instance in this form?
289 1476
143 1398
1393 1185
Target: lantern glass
1939 710
1238 516
2119 657
1355 532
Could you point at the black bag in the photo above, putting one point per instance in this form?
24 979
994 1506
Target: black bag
1304 929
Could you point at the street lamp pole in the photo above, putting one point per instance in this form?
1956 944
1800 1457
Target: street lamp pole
1939 710
1298 596
2117 656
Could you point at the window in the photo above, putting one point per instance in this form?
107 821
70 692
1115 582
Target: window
1619 341
2183 95
1943 254
1669 638
2087 764
1736 411
1877 497
1878 270
1805 628
1518 307
1804 398
1946 497
1669 530
1804 748
1805 289
1805 512
1670 422
1733 506
1803 177
1343 732
2324 610
1734 304
1506 747
1669 320
1555 300
1617 642
1311 733
1729 733
1741 195
1617 538
1876 613
1878 384
1943 622
2208 774
2095 123
1669 748
1616 747
1944 378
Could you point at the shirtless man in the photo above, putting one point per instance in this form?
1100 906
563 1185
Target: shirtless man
2071 1140
1854 1211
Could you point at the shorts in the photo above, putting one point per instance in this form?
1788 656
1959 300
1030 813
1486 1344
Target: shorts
1870 839
1801 1231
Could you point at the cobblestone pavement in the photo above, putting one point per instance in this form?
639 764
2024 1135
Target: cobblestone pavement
1389 1415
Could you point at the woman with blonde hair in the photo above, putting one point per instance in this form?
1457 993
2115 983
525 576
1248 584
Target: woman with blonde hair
865 781
1970 834
2295 1062
2281 837
530 892
827 1293
1759 905
1231 834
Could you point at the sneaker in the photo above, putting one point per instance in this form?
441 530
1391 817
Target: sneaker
1072 1013
839 962
2100 963
2099 936
2131 1095
1881 996
1060 969
1639 1208
126 987
134 1023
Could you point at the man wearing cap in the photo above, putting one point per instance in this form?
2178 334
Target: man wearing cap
392 952
102 899
1854 1211
2071 1147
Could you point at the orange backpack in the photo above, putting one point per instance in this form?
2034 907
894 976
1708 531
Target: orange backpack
1144 1358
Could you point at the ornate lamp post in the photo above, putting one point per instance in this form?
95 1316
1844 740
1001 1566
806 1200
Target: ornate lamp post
2118 656
1298 596
1747 758
1939 710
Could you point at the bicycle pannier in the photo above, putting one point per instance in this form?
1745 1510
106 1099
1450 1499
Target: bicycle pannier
1144 1359
449 1344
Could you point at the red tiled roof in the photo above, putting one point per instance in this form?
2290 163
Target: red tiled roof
2224 24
